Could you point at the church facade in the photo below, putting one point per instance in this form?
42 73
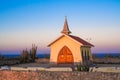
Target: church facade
69 49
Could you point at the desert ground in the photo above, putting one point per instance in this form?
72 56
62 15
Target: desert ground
43 64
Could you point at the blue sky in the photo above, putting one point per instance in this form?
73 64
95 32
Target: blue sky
24 22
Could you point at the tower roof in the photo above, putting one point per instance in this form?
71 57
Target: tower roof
66 28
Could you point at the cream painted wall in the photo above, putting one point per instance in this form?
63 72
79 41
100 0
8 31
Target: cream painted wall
71 44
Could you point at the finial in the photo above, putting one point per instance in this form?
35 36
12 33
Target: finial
65 17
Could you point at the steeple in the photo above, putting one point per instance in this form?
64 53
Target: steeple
65 28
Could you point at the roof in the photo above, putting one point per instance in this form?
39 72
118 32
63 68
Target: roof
76 39
81 40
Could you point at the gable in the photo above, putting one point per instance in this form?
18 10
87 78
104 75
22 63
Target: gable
75 39
65 40
55 40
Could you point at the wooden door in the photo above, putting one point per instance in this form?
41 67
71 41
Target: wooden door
65 56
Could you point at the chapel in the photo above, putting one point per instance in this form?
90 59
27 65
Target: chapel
70 49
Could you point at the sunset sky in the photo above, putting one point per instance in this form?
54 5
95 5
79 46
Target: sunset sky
24 22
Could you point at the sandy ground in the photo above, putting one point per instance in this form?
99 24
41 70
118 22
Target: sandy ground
32 65
48 65
108 65
43 64
38 63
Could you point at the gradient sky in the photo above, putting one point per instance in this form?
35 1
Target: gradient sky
23 22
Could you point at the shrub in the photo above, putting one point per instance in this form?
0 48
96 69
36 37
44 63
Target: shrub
82 68
28 56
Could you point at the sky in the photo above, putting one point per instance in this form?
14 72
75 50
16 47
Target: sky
39 22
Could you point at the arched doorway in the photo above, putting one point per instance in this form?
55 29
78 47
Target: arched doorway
65 56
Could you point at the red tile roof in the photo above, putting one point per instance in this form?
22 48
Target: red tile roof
80 40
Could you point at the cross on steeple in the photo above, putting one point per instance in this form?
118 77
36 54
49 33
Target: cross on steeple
66 28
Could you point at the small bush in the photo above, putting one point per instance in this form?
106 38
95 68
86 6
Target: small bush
82 68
